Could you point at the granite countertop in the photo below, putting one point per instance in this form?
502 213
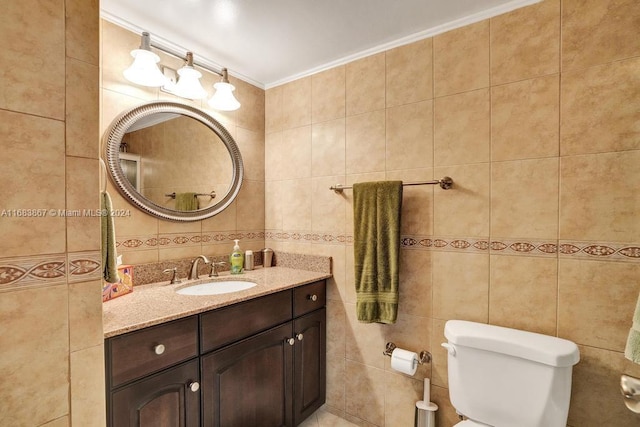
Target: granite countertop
157 303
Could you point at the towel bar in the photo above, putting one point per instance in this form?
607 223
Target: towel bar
445 183
212 195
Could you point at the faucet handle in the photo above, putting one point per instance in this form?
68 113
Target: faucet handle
214 271
174 279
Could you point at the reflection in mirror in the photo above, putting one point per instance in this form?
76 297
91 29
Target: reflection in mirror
181 162
173 161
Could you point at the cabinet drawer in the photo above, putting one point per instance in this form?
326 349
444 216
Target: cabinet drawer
229 324
135 355
308 298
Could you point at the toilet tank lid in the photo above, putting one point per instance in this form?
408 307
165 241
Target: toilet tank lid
527 345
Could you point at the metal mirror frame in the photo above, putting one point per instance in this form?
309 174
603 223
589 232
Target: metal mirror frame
118 128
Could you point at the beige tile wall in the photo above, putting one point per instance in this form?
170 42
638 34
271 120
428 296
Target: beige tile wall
550 91
145 239
51 345
534 114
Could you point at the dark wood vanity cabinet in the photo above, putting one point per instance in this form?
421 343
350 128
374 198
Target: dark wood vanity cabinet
275 378
260 362
250 383
309 365
169 398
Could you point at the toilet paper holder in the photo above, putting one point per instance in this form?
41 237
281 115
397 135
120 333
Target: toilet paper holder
423 357
630 389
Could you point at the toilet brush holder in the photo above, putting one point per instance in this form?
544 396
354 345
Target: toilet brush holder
425 415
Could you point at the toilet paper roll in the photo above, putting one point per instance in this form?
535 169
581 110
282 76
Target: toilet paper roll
404 361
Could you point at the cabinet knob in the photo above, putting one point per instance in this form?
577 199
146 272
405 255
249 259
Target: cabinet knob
291 341
299 336
194 386
159 349
313 297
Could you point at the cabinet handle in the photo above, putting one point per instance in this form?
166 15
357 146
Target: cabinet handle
313 297
291 341
194 386
159 349
299 336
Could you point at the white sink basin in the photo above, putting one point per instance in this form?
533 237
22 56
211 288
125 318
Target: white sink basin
216 288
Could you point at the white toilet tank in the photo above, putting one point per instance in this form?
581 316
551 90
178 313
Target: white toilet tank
505 377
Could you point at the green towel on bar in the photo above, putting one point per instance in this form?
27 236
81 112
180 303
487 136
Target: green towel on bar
376 229
632 349
186 202
109 268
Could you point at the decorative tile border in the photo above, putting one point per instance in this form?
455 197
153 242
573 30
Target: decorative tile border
451 244
629 252
84 266
27 272
624 252
540 248
220 237
133 243
308 237
173 240
49 270
44 270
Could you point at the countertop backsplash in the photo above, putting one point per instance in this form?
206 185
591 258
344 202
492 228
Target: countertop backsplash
154 272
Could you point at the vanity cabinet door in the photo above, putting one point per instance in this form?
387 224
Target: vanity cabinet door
170 398
309 364
250 383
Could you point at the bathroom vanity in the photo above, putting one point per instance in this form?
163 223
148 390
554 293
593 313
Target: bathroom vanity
256 357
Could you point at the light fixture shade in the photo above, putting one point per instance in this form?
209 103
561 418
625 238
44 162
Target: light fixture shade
144 71
223 98
189 85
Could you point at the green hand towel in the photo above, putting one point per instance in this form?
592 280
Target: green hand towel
632 349
109 268
376 217
186 202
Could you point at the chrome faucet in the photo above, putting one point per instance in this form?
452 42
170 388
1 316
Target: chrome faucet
193 273
214 271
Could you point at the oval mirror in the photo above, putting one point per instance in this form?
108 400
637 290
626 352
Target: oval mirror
173 161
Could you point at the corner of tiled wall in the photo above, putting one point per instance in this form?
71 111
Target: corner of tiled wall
52 361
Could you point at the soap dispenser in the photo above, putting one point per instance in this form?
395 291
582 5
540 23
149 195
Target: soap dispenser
236 259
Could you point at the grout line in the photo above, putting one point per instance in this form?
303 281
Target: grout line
490 172
559 153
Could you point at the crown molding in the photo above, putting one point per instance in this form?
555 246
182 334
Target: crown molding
458 23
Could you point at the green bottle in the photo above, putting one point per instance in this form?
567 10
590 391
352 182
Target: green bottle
236 259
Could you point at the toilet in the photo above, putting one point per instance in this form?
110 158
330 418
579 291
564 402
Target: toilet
503 377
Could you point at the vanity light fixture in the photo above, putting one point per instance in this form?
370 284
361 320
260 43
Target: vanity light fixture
145 71
223 98
188 85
